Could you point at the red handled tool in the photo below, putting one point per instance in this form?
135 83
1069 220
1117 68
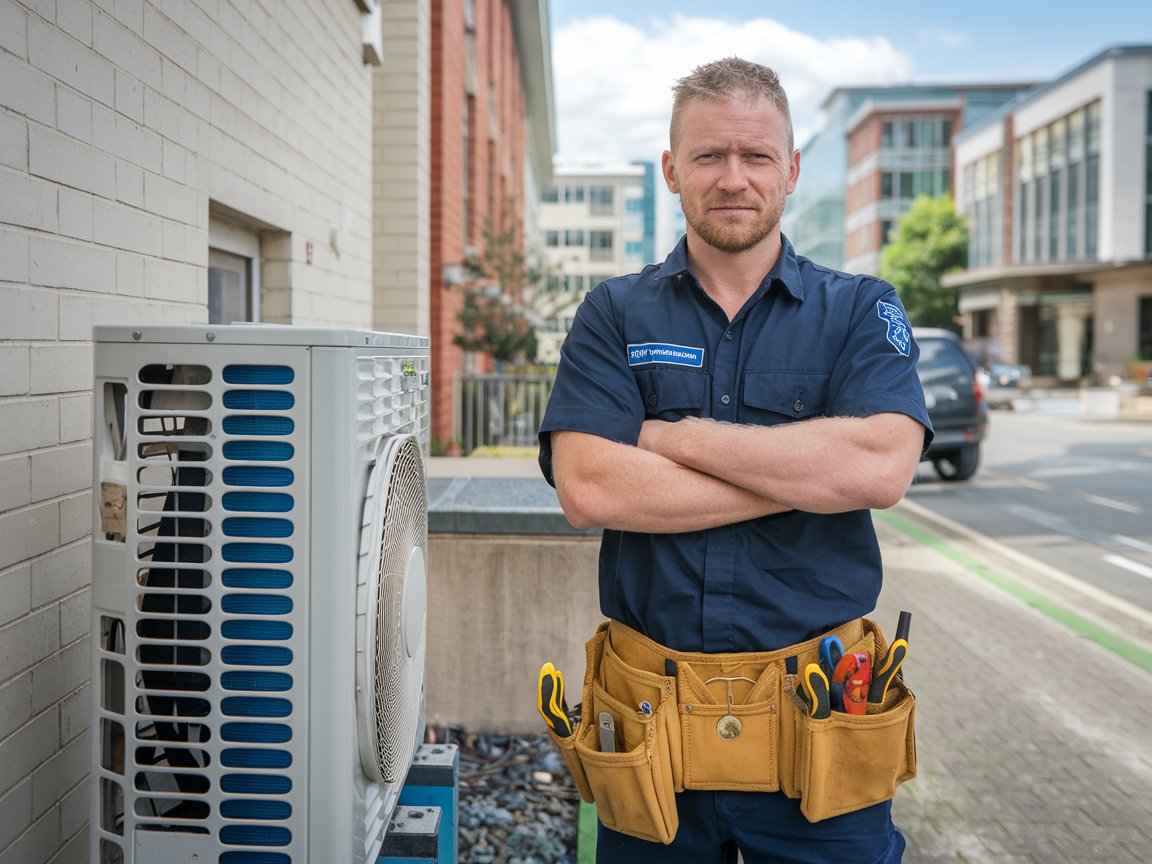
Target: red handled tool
850 682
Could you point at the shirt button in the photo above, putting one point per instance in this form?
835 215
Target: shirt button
725 399
652 401
798 405
728 336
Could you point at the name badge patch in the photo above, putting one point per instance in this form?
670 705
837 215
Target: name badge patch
899 333
662 352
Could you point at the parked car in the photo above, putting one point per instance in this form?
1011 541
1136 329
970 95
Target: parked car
956 403
1006 383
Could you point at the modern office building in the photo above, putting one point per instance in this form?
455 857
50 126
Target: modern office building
1057 187
598 222
879 148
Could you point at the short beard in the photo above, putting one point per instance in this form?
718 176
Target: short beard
733 240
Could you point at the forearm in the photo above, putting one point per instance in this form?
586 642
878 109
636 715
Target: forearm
825 465
604 484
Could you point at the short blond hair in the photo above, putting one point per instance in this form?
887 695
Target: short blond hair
730 78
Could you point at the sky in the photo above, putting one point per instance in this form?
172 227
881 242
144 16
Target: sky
615 62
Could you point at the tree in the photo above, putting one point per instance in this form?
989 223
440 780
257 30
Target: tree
493 319
931 240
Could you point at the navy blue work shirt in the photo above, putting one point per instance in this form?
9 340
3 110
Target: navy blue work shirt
811 342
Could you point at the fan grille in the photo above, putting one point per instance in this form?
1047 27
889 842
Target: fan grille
398 673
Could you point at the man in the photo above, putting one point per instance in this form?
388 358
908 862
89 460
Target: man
729 418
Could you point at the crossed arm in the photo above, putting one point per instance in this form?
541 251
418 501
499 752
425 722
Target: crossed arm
697 474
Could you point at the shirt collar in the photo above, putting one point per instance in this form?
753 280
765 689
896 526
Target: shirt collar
786 269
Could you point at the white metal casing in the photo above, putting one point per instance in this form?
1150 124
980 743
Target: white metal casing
344 393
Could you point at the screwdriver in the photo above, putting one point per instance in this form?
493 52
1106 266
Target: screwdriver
897 652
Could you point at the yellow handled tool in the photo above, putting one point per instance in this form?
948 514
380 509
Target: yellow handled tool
550 700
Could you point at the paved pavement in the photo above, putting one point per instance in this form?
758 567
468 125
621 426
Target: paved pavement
1034 743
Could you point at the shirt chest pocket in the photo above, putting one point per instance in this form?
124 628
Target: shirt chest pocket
776 397
670 394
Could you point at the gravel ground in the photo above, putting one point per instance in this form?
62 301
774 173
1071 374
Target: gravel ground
517 801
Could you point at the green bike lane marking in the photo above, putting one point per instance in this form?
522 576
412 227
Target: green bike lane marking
1101 636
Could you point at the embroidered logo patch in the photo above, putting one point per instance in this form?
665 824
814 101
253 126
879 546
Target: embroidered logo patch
899 333
662 352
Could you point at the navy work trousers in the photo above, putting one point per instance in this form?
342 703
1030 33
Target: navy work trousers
766 828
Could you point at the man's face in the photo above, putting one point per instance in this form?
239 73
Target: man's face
733 167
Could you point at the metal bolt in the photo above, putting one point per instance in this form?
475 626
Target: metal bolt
137 335
210 336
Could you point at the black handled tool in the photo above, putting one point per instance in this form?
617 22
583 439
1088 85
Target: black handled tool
893 660
883 676
815 692
550 700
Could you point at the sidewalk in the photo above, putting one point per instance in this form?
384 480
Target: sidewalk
1034 743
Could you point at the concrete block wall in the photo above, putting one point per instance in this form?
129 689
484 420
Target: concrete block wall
123 125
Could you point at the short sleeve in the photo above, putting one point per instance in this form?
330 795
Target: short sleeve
876 373
595 391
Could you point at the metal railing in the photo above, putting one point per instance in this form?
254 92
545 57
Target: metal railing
498 410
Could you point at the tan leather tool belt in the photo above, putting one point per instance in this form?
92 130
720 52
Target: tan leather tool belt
686 720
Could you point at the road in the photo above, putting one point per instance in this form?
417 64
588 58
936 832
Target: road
1073 494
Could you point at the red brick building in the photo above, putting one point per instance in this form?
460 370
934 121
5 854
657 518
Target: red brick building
492 143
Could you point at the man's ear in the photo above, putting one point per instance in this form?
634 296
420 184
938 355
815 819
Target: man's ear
668 167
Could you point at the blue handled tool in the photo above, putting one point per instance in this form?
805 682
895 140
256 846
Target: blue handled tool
831 650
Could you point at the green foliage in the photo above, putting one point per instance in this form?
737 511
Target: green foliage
931 240
493 318
491 324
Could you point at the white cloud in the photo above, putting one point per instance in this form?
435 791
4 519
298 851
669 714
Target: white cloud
613 80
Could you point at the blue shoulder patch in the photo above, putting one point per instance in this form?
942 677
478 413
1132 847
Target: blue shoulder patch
899 331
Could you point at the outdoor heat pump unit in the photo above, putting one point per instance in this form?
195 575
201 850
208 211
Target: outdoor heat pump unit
258 591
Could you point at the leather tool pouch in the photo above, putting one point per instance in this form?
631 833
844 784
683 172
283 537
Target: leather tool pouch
848 762
633 787
728 722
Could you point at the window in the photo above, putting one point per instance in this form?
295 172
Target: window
886 184
552 238
634 205
886 133
634 247
550 195
601 245
1145 335
466 172
229 287
573 237
573 194
233 272
600 199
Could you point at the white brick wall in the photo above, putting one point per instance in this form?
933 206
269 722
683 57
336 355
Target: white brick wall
122 122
